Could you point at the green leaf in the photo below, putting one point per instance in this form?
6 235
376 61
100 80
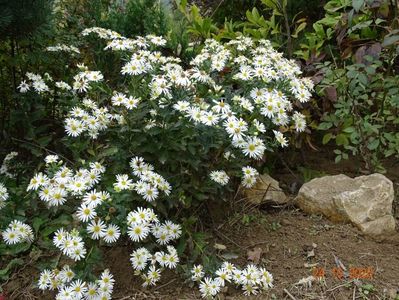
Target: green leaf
301 27
44 141
390 40
181 247
357 4
13 250
337 151
36 223
370 70
108 152
363 79
341 139
14 262
349 129
374 144
324 126
326 138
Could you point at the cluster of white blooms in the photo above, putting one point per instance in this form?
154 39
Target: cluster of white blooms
299 121
251 280
260 82
70 243
102 33
141 223
244 78
17 232
145 263
143 43
250 176
54 191
149 183
63 47
220 177
119 99
62 85
3 195
36 82
92 119
5 167
54 188
265 75
118 42
83 79
69 288
98 229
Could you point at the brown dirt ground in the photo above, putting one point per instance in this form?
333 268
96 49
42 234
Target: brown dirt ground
285 238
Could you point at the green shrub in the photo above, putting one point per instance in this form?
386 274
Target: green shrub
152 138
365 122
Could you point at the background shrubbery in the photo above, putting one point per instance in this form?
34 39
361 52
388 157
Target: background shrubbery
348 48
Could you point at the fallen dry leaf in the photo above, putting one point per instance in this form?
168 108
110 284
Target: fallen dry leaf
307 282
219 246
310 253
306 265
254 255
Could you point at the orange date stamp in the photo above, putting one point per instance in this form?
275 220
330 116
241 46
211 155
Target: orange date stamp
339 273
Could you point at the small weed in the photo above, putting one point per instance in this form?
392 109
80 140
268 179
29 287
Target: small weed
274 226
365 290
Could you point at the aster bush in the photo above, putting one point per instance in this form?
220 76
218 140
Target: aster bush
159 136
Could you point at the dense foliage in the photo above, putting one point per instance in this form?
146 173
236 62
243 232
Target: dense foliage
122 120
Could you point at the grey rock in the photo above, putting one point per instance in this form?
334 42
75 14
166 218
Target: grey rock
365 201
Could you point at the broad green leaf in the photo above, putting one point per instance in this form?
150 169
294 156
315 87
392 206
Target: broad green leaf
324 126
326 138
357 4
37 222
341 139
349 129
374 144
14 262
390 40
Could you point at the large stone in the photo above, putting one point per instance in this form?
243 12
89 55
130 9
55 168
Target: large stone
266 189
381 226
365 201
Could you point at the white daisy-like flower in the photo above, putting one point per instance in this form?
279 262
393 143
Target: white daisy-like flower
86 213
97 229
51 159
280 138
254 148
197 272
112 233
220 177
3 195
138 231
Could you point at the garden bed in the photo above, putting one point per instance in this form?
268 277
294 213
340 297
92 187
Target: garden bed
292 246
285 237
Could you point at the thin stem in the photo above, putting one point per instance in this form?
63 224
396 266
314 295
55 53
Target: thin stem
287 29
43 148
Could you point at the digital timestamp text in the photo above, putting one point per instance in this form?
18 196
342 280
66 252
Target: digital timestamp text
339 273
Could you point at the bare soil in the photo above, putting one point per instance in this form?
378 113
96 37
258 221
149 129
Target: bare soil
290 244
